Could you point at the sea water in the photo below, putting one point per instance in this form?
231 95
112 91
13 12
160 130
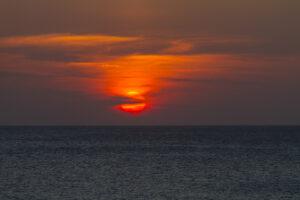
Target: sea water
155 163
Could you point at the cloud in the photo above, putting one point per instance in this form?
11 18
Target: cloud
62 72
63 40
72 48
202 72
211 80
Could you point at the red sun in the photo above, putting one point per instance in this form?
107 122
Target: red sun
134 108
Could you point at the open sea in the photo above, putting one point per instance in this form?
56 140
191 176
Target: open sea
150 163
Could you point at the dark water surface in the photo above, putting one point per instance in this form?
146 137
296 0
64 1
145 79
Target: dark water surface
92 163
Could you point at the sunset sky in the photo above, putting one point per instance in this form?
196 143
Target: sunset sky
149 62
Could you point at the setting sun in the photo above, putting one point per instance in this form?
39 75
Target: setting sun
134 108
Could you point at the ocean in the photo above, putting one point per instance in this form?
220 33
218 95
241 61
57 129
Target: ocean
155 163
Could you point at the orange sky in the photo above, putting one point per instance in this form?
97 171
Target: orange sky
136 78
149 62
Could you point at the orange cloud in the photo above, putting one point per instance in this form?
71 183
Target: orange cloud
58 40
178 46
135 78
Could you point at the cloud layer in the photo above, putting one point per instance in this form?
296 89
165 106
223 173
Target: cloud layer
195 62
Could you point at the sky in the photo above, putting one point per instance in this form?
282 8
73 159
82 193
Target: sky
149 62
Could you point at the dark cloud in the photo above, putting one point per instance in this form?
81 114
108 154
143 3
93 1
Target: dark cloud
9 74
61 72
51 107
43 53
269 18
211 80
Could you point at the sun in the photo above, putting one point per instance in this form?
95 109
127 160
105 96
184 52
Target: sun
133 108
136 103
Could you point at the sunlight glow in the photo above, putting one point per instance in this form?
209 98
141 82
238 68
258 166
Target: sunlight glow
116 68
134 108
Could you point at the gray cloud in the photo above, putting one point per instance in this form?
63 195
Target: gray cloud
273 20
